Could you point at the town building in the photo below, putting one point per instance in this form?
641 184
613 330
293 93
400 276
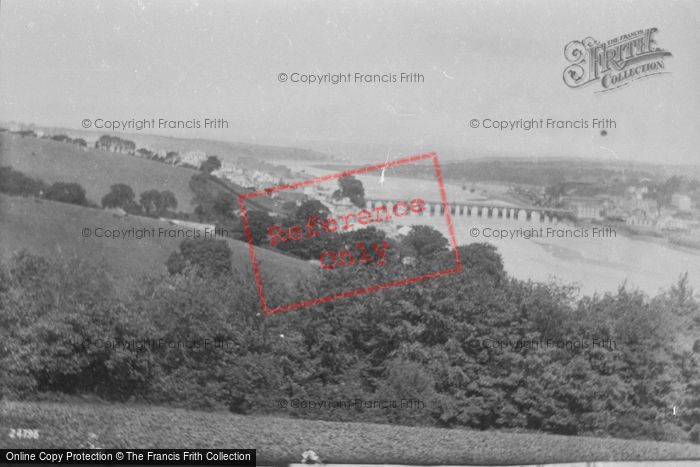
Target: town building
585 208
681 202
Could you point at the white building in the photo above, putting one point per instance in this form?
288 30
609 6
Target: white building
585 208
193 158
681 202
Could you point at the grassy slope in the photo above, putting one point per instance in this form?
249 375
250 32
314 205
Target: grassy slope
53 161
49 228
280 440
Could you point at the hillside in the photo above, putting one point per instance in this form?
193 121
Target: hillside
282 440
226 150
54 161
50 228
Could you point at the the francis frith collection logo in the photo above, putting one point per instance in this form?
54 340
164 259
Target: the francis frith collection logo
615 63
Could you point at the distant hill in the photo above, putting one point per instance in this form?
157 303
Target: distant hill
531 172
49 228
225 150
96 170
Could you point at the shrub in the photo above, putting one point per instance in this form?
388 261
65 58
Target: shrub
72 193
60 320
197 339
156 203
14 182
424 241
210 256
121 196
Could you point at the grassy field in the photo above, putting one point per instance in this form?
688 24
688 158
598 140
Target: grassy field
281 440
49 228
53 161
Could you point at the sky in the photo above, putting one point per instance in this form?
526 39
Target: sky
64 61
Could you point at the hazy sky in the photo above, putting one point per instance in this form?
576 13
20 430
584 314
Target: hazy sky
63 61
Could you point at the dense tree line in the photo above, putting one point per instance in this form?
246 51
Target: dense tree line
152 203
14 182
350 187
196 338
67 139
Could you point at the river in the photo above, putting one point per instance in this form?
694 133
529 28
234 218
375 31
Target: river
595 263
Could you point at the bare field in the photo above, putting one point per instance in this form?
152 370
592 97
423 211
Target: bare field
282 440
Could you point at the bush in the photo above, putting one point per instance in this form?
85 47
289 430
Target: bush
351 188
72 193
197 339
14 182
695 434
211 164
156 203
259 222
120 196
59 319
424 241
209 256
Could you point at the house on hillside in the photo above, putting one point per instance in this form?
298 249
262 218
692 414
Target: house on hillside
192 158
639 219
232 173
637 192
673 224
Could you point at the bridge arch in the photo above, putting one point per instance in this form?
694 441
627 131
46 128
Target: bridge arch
529 214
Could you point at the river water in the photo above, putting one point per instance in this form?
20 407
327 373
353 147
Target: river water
595 263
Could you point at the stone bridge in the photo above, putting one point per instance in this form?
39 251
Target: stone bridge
486 210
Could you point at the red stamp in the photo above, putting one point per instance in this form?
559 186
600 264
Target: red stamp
380 213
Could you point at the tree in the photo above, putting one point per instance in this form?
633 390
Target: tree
62 138
72 193
554 192
169 200
663 194
210 256
310 208
53 313
171 157
425 241
224 205
307 247
145 153
120 196
289 207
155 202
351 188
151 202
14 182
259 221
211 164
